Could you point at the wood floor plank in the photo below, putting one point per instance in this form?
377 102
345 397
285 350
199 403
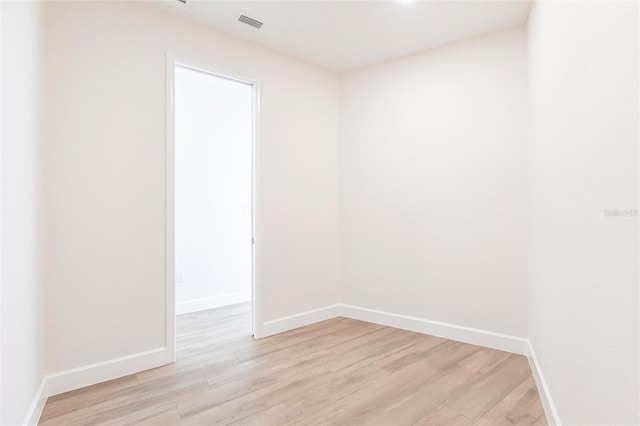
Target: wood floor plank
118 408
157 415
257 351
412 407
259 378
207 368
444 416
400 359
372 352
335 372
484 360
365 405
200 410
59 406
451 353
521 407
318 402
489 389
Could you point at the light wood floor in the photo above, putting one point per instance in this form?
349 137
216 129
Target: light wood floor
337 372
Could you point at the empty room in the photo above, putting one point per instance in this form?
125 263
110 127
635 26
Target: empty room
320 212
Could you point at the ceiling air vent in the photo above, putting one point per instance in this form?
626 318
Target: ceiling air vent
250 21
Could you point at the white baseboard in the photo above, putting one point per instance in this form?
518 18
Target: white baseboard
76 378
212 302
35 410
88 375
64 381
543 390
290 322
503 342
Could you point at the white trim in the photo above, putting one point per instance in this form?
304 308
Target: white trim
170 340
76 378
88 375
39 400
290 322
256 289
490 339
1 257
503 342
212 302
543 390
256 297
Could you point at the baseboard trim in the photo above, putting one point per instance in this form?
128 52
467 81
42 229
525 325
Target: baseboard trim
503 342
212 302
88 375
35 410
543 390
76 378
290 322
500 341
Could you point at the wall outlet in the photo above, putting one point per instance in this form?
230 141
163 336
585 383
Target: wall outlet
179 277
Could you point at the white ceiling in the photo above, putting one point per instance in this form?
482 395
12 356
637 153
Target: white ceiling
343 35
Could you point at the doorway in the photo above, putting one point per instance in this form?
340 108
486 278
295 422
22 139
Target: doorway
211 200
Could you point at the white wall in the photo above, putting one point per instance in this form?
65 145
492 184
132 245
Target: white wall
105 157
21 279
433 184
213 148
583 299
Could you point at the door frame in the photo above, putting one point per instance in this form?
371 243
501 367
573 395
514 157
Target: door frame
174 60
